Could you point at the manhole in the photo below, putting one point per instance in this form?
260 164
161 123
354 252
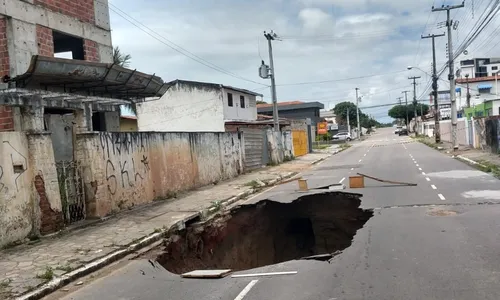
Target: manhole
436 212
266 233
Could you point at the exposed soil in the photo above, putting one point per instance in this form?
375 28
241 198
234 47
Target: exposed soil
267 233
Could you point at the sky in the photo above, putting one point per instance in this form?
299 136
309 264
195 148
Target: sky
327 48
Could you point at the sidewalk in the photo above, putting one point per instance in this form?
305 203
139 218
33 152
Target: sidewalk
76 253
487 161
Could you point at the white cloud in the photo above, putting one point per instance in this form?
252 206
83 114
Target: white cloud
314 18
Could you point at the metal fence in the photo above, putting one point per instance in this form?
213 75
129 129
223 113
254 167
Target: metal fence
72 191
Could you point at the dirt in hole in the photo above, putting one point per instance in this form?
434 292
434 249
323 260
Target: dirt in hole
266 233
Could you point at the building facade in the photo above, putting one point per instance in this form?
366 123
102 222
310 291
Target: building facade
484 96
190 106
79 29
479 67
295 110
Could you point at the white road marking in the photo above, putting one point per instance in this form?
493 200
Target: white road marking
352 169
360 160
417 165
247 289
264 274
342 180
423 173
433 187
420 169
364 155
441 197
428 179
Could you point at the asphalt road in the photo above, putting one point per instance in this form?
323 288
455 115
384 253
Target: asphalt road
437 240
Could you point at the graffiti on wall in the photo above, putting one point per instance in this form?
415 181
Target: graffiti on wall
18 163
127 163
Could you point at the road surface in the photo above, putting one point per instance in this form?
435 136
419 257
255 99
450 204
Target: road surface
438 240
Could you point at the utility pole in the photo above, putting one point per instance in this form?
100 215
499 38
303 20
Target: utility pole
451 75
437 129
414 78
348 122
399 100
406 108
357 114
468 92
271 37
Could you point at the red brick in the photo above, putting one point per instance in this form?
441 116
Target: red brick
50 220
45 41
91 51
83 10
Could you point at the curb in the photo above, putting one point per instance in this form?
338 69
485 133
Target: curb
468 160
100 263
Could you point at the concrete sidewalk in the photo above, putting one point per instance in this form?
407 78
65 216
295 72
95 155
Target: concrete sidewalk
486 160
50 262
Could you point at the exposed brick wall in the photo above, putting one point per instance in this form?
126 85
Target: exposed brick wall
4 51
83 10
45 41
51 221
91 51
6 118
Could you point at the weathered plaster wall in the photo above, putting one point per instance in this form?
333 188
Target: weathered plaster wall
183 108
30 202
16 207
122 170
280 145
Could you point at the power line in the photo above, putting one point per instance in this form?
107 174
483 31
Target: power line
174 46
337 80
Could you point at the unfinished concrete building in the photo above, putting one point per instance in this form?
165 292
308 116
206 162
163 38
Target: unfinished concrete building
47 101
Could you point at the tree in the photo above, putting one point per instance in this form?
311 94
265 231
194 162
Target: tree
341 111
399 111
261 102
120 58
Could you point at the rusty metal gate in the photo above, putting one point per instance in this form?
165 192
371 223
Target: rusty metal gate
300 142
69 175
255 142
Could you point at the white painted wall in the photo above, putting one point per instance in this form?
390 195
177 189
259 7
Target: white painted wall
490 67
236 112
467 70
476 96
183 108
496 107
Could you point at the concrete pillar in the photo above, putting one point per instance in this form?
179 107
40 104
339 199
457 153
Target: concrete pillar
83 119
22 45
32 116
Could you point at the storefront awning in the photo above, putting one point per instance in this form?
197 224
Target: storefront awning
484 86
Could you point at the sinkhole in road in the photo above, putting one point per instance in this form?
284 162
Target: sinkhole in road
266 233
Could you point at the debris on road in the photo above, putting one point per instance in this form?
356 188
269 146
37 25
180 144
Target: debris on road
207 274
359 182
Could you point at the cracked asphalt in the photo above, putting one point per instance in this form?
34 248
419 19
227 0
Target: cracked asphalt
436 240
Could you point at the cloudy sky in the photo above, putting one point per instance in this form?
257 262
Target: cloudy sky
324 44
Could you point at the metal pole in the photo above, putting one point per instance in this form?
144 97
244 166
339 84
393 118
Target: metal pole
414 78
348 122
270 38
468 92
357 114
437 129
451 75
406 108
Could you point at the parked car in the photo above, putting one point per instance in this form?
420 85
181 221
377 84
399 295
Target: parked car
398 129
403 131
342 136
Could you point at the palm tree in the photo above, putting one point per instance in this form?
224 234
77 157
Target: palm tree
121 59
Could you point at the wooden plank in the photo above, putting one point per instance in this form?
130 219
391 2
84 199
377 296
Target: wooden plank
206 274
388 181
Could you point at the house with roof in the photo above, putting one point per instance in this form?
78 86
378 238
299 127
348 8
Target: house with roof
295 110
191 106
484 96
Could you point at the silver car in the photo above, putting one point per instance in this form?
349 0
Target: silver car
342 136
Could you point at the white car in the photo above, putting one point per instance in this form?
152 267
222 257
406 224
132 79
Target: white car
342 136
398 129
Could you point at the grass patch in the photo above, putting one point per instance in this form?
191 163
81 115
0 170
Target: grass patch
427 142
345 146
48 275
288 158
66 268
216 205
254 184
488 167
5 283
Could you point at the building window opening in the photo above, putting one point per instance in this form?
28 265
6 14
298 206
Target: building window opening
230 99
67 46
242 101
98 121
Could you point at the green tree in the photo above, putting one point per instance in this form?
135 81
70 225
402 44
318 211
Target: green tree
120 58
341 111
261 102
399 111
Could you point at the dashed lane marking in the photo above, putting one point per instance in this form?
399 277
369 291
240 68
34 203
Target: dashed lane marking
433 187
423 173
428 179
360 160
342 180
441 197
420 169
